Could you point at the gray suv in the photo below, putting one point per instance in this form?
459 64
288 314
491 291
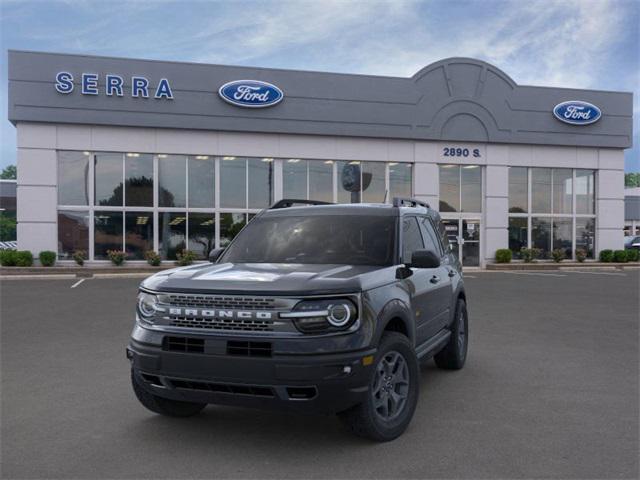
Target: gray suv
313 307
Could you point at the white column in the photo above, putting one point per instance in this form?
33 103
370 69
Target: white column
610 200
37 188
426 177
496 210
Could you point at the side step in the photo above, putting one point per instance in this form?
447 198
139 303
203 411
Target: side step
431 346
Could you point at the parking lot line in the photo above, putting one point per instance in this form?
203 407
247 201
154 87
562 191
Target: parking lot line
78 283
599 273
538 274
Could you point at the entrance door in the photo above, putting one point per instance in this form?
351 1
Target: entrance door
464 237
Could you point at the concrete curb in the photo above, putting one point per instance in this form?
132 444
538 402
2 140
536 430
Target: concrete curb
81 272
561 266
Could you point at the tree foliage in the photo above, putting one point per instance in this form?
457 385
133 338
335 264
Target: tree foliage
9 173
632 180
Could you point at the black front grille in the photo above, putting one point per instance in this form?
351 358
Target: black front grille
254 390
222 302
234 324
183 344
249 349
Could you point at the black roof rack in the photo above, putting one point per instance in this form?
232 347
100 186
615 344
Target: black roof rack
290 202
408 202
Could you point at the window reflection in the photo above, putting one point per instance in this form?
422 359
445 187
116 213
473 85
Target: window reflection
73 233
321 180
138 172
172 229
449 188
230 226
73 178
107 233
400 177
201 181
138 234
294 178
233 182
541 235
471 191
373 182
518 190
260 182
585 191
202 233
562 190
585 235
541 190
517 235
172 189
562 235
108 179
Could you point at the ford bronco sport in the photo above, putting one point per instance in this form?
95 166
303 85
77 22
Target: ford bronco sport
316 308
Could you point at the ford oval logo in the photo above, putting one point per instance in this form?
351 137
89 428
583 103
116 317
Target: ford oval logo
577 112
251 93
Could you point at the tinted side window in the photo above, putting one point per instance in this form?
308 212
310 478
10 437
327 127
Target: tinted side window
431 241
411 238
444 238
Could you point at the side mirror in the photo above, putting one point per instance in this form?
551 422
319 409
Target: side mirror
215 254
424 259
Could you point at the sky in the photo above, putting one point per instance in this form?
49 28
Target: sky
566 43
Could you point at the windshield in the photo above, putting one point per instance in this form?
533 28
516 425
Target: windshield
328 239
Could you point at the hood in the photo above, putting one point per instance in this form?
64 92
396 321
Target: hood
271 278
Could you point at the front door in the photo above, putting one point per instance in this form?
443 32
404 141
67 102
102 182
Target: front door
464 237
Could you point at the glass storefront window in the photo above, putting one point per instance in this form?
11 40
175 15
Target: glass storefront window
585 192
321 180
541 190
294 178
138 177
471 188
373 182
260 182
107 233
517 235
518 190
202 176
562 235
108 179
400 179
585 235
73 233
233 182
541 235
562 190
73 178
172 231
230 226
449 188
138 237
202 233
172 185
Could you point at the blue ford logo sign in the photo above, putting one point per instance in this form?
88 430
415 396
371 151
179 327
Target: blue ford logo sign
251 93
577 112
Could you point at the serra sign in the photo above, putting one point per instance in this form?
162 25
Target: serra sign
113 85
250 93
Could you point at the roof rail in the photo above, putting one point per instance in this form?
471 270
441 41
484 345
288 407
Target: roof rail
290 202
408 202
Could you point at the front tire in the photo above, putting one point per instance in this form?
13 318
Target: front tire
392 395
454 354
164 406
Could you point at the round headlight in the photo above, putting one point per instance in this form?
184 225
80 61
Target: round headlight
147 304
339 314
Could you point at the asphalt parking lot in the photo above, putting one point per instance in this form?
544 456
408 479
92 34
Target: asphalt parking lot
550 390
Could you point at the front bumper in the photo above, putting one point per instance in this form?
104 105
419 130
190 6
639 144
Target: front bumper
308 383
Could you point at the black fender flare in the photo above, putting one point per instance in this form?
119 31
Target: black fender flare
395 309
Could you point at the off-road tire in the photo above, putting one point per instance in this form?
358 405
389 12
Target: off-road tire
363 419
164 406
454 354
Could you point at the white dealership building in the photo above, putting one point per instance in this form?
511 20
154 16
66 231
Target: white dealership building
141 155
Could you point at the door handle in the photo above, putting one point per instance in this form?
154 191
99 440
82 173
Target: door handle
435 279
452 273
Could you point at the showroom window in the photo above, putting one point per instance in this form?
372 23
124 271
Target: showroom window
460 188
167 203
551 208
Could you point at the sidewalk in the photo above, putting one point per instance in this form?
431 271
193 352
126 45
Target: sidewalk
562 265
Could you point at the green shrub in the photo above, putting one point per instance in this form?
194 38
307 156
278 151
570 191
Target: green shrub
152 258
186 257
8 258
80 256
620 256
526 254
117 257
503 255
633 255
558 255
47 258
581 254
24 258
606 255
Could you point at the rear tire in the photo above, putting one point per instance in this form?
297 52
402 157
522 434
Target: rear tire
392 395
454 354
164 406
